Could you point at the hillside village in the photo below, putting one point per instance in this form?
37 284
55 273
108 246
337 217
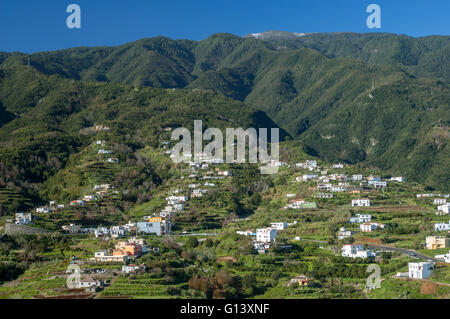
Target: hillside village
312 231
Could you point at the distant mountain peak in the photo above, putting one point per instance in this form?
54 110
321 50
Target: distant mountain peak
275 35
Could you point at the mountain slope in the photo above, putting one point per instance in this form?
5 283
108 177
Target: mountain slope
303 82
52 129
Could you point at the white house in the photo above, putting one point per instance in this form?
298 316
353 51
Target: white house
89 198
420 270
199 191
89 282
445 257
104 152
311 163
338 189
132 268
369 227
324 195
339 165
442 226
245 233
266 235
379 184
178 207
399 179
324 187
72 228
357 177
344 233
43 210
278 225
307 177
360 218
444 208
356 251
361 202
439 201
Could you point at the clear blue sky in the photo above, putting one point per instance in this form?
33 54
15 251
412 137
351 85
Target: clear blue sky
31 26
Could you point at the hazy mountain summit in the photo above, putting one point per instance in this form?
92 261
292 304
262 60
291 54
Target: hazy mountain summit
275 35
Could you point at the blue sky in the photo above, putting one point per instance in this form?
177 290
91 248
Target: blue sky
31 26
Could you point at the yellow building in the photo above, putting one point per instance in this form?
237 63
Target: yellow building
437 242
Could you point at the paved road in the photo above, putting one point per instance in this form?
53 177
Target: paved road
410 253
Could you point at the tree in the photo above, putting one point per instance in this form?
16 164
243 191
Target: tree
192 242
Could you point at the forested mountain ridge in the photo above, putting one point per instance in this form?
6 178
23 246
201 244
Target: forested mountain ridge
381 99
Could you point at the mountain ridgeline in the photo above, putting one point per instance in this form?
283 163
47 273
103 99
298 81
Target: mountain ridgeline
378 99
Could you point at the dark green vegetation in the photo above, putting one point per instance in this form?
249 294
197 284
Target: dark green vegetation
316 87
46 150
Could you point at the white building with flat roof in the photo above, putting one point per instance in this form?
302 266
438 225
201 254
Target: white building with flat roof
442 226
266 235
279 225
444 208
420 270
356 251
361 218
439 201
445 257
361 202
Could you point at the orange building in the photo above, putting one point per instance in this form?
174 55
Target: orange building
124 248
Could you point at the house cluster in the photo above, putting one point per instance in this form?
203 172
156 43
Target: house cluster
157 225
330 183
365 221
101 191
123 251
101 231
356 251
265 237
23 218
161 223
309 164
108 159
